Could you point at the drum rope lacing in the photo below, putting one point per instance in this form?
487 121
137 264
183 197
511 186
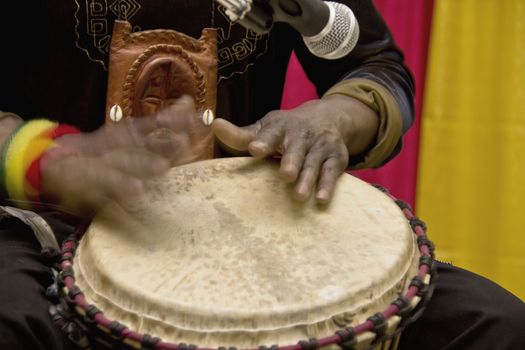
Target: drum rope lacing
68 296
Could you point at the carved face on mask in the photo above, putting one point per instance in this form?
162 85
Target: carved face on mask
161 82
150 70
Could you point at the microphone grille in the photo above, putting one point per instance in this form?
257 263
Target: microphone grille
338 37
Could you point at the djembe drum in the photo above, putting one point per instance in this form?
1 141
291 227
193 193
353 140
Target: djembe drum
220 255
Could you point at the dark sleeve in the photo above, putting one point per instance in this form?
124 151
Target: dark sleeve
375 58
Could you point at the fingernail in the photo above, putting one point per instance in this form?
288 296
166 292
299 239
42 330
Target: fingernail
302 192
258 149
161 166
323 196
135 187
289 173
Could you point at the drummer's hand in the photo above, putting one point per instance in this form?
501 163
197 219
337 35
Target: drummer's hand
112 162
315 140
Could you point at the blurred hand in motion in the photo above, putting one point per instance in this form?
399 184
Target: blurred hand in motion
314 139
113 162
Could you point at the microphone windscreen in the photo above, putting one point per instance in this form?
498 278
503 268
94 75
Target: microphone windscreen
339 36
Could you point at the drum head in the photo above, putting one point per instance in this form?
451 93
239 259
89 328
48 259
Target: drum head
219 253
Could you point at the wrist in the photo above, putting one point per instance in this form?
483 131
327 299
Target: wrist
8 122
358 123
390 128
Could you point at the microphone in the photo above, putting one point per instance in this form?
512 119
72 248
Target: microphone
329 29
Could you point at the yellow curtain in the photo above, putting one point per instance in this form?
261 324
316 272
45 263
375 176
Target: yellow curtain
471 180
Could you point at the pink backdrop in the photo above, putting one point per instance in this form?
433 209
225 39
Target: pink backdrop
410 22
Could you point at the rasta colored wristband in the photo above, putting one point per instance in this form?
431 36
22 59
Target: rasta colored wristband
33 174
20 159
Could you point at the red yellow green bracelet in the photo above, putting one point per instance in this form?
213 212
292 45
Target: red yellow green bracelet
20 159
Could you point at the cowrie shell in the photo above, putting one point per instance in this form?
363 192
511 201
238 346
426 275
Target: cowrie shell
116 113
208 117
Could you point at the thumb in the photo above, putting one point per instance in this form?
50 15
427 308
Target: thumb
232 136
